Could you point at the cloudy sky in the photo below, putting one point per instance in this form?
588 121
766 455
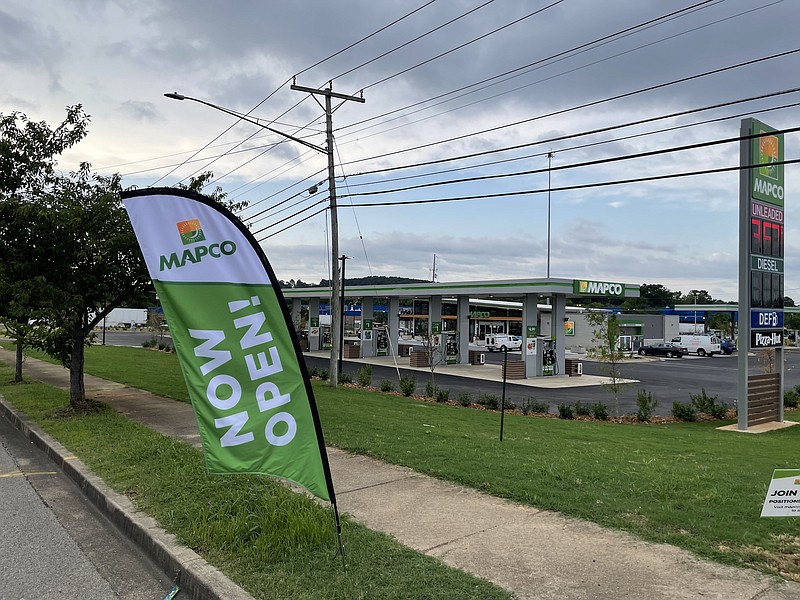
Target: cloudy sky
507 80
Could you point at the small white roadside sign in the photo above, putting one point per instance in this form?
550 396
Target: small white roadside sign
783 496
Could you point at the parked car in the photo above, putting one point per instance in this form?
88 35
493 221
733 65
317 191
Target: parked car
727 346
663 349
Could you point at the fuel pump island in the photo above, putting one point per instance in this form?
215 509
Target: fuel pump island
543 309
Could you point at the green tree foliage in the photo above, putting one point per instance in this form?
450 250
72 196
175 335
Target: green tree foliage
658 296
95 265
68 254
28 152
605 335
697 297
202 181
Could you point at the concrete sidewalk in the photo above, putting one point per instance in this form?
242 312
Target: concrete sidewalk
533 553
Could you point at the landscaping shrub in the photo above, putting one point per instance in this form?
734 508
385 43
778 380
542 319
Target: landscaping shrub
323 374
364 376
702 402
490 401
531 405
386 385
345 378
442 395
600 411
565 411
408 383
151 343
791 398
464 399
646 405
718 411
430 390
684 412
582 409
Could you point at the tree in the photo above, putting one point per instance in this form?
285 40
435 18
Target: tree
697 297
28 152
94 265
606 335
199 183
722 322
657 296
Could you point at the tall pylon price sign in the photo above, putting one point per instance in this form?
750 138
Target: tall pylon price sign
761 269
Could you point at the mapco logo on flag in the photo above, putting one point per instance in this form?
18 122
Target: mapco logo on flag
190 231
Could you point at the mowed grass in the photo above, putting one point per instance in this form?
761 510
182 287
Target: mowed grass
686 484
271 541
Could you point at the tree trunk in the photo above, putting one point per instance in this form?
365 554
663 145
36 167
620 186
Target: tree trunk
20 358
77 391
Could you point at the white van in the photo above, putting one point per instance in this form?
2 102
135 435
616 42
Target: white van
702 345
503 342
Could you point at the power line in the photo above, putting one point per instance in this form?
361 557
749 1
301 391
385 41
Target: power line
578 147
581 106
576 187
589 163
416 39
548 60
583 133
316 64
538 81
294 224
459 47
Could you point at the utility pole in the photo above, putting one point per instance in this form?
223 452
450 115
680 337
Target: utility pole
337 318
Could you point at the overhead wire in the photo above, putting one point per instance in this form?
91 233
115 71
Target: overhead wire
575 187
460 46
316 64
595 162
560 138
550 60
355 215
629 94
413 40
538 81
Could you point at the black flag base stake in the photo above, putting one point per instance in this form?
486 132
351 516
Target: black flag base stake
339 536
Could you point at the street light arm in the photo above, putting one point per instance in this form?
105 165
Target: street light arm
177 96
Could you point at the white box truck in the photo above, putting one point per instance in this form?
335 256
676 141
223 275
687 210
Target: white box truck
702 345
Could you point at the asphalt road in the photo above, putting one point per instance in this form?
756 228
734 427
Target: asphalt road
669 380
54 543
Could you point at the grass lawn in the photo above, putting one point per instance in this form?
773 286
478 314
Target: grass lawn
271 541
686 484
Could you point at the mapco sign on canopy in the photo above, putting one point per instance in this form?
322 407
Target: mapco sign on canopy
598 288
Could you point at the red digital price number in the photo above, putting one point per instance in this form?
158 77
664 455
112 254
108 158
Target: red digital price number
766 238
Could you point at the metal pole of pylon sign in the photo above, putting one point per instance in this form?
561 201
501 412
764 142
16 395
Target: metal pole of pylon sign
336 308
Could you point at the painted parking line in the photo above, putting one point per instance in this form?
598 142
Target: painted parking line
23 474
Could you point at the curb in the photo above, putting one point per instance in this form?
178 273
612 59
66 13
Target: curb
197 578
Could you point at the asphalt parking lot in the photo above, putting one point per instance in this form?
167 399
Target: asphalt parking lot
669 380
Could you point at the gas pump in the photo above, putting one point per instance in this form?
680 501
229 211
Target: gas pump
325 334
549 365
450 341
382 341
